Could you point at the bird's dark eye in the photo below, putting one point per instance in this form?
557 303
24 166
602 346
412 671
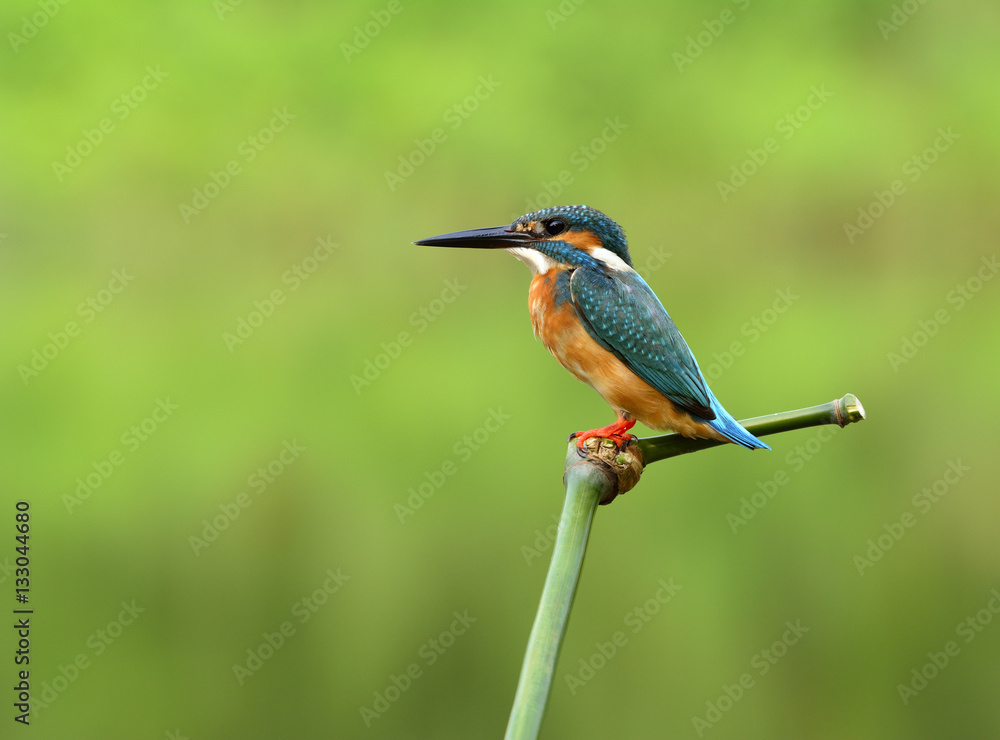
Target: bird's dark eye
555 226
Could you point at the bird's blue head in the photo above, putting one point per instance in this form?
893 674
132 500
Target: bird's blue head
571 236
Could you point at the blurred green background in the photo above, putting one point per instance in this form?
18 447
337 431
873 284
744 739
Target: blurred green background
220 199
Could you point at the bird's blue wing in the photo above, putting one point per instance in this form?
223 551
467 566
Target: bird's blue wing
623 314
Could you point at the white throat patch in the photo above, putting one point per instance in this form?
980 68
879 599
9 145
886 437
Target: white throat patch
538 262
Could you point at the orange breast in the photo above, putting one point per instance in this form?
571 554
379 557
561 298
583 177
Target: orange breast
559 328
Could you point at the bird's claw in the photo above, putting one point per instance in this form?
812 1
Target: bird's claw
621 441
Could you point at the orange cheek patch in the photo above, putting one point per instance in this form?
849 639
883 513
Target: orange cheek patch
584 240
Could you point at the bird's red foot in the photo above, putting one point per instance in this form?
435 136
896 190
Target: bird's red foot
618 432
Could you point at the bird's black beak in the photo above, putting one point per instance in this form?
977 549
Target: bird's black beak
498 237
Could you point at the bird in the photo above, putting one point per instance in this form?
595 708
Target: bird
604 324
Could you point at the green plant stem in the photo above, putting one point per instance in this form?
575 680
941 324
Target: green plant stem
586 484
842 411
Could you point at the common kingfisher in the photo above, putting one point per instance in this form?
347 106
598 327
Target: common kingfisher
604 324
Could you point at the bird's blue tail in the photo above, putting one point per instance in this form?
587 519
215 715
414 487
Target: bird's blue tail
731 429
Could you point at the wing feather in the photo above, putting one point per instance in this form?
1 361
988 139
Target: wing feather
624 315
